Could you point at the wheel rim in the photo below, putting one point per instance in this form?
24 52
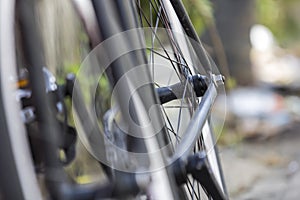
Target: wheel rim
160 11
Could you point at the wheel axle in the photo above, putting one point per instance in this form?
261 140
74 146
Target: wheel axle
177 90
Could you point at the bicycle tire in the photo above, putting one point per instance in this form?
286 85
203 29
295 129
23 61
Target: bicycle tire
18 179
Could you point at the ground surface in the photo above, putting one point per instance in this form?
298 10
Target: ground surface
267 169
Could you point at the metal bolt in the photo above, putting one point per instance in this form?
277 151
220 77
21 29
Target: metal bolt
219 79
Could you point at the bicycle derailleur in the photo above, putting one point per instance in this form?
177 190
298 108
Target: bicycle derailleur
57 94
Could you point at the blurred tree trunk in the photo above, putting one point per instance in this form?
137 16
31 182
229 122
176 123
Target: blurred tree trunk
60 29
233 19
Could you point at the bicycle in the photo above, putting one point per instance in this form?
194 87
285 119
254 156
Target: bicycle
134 140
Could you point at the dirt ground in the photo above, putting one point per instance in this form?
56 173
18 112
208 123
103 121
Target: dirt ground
264 169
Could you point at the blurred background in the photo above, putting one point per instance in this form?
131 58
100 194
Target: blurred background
256 45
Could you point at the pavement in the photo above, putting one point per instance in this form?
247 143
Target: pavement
264 169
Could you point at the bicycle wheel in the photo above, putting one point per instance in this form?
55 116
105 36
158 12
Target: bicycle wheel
27 101
18 179
177 61
180 53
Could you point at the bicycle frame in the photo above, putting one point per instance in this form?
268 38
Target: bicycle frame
196 125
193 132
202 114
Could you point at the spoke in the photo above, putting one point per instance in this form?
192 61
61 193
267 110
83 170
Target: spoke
168 58
209 197
179 138
198 145
191 194
141 20
195 149
160 43
198 189
202 142
193 187
179 55
194 192
155 83
170 78
171 127
171 37
176 106
180 111
153 35
152 43
155 4
170 139
166 21
156 23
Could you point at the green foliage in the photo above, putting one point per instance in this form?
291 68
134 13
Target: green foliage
200 12
282 17
61 72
